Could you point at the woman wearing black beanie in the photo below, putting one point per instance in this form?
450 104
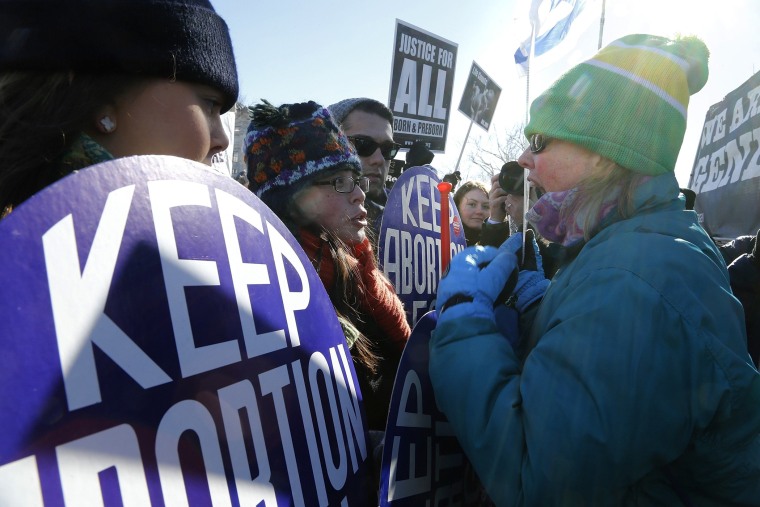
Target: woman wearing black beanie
86 81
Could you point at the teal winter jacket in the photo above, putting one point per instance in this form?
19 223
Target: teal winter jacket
637 389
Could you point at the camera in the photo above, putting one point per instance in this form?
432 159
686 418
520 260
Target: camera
511 178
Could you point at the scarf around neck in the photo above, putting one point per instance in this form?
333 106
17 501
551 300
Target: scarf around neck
552 221
378 302
84 152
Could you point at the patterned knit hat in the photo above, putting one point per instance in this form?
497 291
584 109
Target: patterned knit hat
628 103
174 39
288 145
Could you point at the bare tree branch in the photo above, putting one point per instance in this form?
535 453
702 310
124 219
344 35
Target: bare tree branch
489 154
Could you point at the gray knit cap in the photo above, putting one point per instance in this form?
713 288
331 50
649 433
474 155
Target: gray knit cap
341 109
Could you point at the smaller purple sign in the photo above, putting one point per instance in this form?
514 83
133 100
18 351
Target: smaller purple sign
423 463
410 238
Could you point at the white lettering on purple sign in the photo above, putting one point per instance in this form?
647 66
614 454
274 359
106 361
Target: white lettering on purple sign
411 256
323 381
81 461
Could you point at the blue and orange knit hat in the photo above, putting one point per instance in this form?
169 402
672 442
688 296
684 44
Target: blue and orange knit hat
628 103
289 145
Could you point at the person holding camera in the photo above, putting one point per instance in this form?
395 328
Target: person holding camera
634 386
506 203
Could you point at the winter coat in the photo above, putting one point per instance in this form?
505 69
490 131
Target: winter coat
638 388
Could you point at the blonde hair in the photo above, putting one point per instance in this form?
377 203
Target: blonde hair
607 183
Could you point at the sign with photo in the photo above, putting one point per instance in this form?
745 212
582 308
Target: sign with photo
481 94
422 81
165 341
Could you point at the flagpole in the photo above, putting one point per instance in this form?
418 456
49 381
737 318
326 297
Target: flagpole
526 183
601 25
527 71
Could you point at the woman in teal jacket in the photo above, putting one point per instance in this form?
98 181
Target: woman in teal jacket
633 385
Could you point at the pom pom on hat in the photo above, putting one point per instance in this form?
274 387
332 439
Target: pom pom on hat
288 145
628 103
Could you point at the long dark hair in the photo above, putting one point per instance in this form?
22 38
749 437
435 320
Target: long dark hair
348 289
41 115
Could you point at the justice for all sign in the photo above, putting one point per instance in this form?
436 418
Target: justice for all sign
166 342
410 238
422 81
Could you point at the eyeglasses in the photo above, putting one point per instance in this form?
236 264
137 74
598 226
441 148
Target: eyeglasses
538 142
346 184
366 147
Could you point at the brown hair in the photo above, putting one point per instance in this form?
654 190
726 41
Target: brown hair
347 291
41 115
466 187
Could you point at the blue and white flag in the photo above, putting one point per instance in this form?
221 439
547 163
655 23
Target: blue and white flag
549 26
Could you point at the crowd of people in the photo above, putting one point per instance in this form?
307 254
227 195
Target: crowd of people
626 376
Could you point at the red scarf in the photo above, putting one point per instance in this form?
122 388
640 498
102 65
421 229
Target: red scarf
378 300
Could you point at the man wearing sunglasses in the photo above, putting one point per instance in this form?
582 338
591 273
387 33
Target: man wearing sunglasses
368 124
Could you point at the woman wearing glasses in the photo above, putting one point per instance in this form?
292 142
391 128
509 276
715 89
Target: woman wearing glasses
305 169
634 385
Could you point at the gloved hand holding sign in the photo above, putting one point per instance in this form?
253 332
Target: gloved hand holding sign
531 282
478 278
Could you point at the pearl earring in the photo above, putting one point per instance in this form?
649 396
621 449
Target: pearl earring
108 125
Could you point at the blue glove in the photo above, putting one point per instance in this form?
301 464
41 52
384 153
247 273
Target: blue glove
531 282
477 277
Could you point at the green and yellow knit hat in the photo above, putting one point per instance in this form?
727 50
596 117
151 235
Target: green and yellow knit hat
628 103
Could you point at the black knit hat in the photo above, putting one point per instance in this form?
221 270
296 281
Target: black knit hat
419 154
175 39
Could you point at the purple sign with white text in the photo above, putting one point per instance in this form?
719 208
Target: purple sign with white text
423 463
166 342
410 238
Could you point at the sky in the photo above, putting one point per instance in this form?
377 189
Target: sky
329 50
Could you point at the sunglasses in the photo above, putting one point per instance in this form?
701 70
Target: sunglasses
538 142
346 184
366 147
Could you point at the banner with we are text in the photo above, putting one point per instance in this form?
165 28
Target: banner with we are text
422 82
726 173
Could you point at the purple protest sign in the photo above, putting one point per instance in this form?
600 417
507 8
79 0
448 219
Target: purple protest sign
423 463
166 342
410 238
